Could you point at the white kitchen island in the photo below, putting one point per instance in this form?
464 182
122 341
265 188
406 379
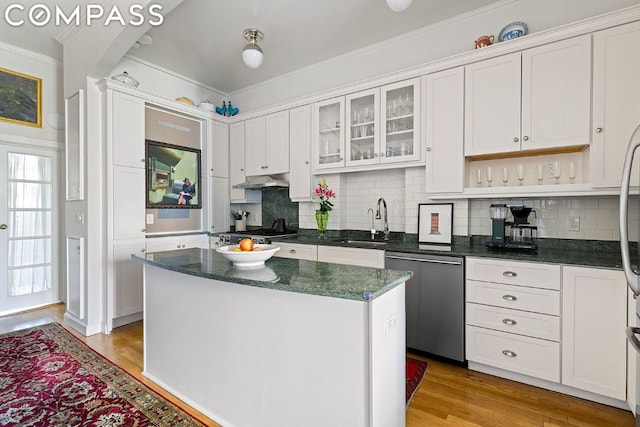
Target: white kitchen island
296 343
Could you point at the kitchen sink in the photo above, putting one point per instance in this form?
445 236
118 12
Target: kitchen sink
373 243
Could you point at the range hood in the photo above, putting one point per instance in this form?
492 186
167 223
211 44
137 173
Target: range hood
264 182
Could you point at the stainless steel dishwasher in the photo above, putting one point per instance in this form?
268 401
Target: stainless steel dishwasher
434 302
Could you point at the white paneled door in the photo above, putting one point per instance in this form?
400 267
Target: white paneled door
28 237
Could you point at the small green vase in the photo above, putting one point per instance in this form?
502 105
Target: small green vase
322 218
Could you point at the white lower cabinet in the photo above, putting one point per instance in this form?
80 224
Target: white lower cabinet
513 317
127 279
169 243
351 256
594 317
297 251
562 324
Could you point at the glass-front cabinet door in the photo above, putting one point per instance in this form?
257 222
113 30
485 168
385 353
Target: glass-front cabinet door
400 127
362 134
329 134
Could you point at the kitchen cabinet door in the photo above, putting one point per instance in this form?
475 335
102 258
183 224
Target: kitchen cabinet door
400 121
218 149
127 278
556 94
220 210
492 106
328 134
236 162
267 144
171 243
128 210
126 129
363 132
351 256
255 141
300 154
616 110
594 318
444 124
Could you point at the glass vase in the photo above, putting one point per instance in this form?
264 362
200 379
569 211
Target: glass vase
321 220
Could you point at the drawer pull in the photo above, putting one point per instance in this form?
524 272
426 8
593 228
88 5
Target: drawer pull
509 322
509 353
510 274
509 297
292 251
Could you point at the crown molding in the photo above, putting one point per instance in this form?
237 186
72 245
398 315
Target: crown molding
30 54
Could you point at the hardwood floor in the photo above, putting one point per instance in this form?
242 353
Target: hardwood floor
448 396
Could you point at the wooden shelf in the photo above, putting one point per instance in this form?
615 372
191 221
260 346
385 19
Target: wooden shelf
529 153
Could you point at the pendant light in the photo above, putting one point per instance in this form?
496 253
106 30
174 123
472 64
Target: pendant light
398 5
252 53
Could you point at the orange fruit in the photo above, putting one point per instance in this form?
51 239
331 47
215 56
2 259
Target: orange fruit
246 244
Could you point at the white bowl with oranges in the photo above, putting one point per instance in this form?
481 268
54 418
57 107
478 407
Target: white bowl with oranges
248 254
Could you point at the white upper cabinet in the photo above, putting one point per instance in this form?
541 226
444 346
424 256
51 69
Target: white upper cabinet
363 132
536 99
125 118
444 134
267 144
300 154
400 125
616 110
556 94
218 149
492 106
328 134
236 162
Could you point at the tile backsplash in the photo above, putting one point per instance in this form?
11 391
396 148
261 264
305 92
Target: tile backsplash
404 189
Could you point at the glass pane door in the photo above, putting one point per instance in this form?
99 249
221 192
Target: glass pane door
329 137
400 134
362 133
27 237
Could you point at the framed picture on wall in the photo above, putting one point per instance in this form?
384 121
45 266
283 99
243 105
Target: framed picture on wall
173 176
20 98
435 223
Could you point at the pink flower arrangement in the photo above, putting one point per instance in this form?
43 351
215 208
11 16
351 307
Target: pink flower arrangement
324 193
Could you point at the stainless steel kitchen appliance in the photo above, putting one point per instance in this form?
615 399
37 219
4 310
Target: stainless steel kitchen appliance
262 235
631 265
516 234
434 303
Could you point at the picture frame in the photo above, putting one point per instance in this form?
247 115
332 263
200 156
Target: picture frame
169 166
435 223
20 98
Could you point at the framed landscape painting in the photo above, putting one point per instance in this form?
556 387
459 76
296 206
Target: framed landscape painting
20 98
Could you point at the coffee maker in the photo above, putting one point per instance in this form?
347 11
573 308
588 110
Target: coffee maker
516 234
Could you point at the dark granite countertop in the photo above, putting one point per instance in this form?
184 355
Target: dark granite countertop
308 277
587 253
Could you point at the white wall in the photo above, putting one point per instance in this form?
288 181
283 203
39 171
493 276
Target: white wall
438 41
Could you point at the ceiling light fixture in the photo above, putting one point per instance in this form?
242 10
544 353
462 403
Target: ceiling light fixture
252 54
398 5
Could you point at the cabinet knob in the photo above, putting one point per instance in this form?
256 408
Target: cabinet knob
241 169
144 230
292 251
306 162
509 353
184 246
509 274
525 138
509 322
211 169
142 160
509 298
428 148
178 246
515 139
598 130
142 250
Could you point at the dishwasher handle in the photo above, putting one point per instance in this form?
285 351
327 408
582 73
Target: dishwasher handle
429 260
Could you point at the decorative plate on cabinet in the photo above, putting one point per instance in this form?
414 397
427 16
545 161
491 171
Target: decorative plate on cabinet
513 31
126 79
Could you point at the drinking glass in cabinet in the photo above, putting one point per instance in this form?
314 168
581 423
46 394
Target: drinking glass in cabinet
520 173
557 169
572 172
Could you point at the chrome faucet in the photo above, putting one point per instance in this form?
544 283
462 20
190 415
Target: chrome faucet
378 216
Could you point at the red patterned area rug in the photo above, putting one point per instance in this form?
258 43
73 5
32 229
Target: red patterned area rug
415 374
48 377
